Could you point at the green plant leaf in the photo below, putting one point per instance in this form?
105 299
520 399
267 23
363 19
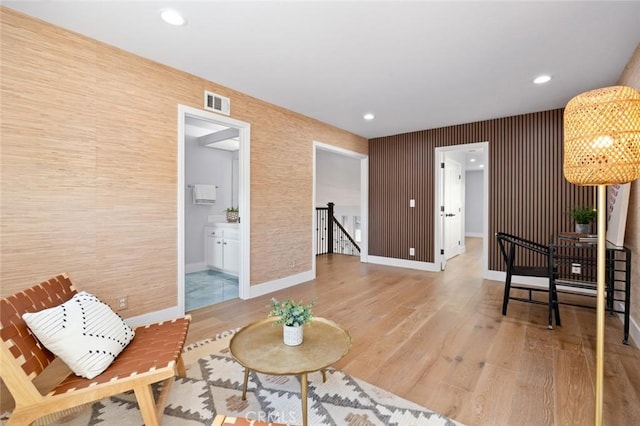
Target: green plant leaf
290 313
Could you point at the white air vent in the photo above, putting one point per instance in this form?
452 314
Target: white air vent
217 103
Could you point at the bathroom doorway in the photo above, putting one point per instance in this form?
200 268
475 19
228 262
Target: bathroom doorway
213 176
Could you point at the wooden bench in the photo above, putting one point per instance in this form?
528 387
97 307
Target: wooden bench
153 356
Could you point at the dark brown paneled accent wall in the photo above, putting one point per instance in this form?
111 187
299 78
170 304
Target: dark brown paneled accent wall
528 194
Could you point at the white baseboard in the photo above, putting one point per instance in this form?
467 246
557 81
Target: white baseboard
474 234
534 282
156 316
402 263
279 284
634 327
195 267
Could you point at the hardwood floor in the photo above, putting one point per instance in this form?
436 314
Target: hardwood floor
439 339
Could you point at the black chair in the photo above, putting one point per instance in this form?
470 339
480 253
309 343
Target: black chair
513 248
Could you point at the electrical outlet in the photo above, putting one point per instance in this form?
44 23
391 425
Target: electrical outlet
293 264
122 302
412 203
412 251
576 268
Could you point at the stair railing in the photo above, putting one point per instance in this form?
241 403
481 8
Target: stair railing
331 237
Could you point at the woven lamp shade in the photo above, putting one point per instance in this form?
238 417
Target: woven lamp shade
602 137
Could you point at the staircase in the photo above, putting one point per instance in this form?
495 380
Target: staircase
331 237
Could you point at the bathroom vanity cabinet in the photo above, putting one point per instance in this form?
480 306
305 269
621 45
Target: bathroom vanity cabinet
223 247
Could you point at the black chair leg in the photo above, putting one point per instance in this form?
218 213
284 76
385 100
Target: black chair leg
557 306
554 307
507 290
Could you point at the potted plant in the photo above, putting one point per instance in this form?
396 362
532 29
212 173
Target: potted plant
583 217
233 214
293 316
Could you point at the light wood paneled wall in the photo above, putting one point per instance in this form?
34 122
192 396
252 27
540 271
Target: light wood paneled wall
528 194
89 168
631 77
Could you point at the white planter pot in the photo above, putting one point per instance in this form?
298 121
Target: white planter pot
583 228
292 335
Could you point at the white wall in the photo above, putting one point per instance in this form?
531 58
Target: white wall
474 196
206 166
338 181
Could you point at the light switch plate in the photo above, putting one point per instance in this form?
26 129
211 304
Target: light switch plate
412 203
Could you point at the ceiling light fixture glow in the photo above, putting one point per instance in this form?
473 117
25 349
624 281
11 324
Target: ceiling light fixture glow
172 17
368 116
541 79
473 160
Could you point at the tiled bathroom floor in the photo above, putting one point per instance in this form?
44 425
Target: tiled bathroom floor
205 288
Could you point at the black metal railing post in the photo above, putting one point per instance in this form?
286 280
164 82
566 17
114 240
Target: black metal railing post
330 228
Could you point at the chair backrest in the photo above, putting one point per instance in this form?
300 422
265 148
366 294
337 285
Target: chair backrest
511 244
23 356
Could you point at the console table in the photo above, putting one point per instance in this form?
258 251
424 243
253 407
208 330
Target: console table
575 276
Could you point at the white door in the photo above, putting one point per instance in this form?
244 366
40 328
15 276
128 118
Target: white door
452 213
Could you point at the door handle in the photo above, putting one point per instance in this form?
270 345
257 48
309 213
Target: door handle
450 214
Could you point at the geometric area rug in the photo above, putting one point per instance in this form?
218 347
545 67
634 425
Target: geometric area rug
214 386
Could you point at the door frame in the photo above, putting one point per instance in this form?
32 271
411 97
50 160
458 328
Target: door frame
364 199
439 258
244 202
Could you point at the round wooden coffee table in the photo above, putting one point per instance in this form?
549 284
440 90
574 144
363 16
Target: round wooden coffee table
259 347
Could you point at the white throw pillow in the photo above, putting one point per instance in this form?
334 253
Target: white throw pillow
84 332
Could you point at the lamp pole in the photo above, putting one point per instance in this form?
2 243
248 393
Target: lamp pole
602 147
601 265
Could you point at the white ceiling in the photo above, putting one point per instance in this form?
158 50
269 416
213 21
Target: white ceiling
416 65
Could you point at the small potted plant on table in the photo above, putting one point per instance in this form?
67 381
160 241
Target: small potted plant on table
293 316
583 217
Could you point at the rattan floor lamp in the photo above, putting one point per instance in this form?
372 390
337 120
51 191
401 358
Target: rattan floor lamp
602 147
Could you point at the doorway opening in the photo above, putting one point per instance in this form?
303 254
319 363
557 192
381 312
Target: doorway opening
220 171
462 200
340 187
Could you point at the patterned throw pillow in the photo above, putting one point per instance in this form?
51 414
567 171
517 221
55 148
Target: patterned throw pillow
84 332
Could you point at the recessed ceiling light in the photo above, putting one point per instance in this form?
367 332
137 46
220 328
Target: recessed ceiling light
541 79
368 116
481 166
172 17
473 160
